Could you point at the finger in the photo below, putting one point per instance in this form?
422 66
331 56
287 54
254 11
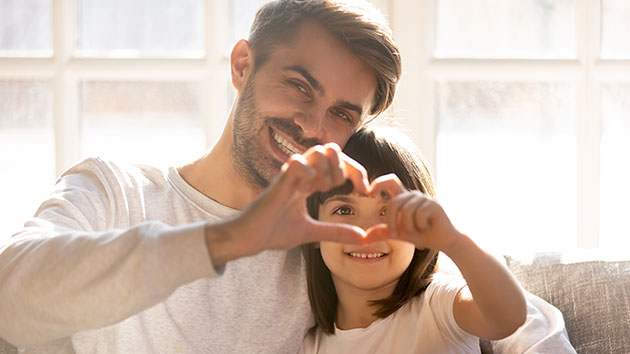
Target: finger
336 232
388 186
316 158
423 218
356 173
406 210
392 217
377 233
337 169
296 175
410 211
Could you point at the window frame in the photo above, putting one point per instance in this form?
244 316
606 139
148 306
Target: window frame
416 95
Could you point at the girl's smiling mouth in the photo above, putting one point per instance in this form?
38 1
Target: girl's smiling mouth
366 255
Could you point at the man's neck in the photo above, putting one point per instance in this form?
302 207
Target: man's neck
215 176
353 308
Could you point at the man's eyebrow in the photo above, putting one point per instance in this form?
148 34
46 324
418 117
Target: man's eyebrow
311 80
351 106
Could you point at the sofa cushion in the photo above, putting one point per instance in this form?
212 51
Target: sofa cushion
593 296
6 348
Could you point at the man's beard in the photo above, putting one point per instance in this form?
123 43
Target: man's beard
252 162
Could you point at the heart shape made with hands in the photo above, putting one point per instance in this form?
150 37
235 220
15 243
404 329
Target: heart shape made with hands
388 186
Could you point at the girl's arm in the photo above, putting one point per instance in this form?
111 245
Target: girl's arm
493 305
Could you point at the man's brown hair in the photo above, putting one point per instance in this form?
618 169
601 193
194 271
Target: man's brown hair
379 155
360 26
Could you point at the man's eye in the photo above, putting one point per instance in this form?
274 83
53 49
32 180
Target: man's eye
343 210
342 115
300 87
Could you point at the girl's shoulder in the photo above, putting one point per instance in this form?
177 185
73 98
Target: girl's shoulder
441 292
444 284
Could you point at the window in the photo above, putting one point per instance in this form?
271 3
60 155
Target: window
125 80
522 109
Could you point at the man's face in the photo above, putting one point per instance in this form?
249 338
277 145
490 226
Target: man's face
310 91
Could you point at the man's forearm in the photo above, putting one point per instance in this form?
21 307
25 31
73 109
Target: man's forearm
222 244
53 285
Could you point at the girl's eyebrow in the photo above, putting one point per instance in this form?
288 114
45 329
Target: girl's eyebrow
339 198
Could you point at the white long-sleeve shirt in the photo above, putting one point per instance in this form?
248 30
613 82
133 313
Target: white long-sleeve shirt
115 261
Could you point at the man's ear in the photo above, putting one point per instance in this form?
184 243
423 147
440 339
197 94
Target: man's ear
241 64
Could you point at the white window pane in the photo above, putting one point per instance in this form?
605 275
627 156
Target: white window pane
155 123
140 28
506 162
242 13
615 29
505 29
26 150
615 168
25 28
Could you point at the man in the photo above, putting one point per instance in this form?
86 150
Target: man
196 259
138 260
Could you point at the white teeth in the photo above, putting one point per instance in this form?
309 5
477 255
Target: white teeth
286 146
366 255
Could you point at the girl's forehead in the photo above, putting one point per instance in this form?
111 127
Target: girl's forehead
354 196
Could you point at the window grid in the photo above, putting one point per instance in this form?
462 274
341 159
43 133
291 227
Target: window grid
416 97
66 72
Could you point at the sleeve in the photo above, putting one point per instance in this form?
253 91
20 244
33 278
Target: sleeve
543 332
441 295
59 275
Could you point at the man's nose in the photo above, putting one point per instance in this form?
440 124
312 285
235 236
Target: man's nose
311 122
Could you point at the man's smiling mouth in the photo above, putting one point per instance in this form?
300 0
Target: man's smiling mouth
285 145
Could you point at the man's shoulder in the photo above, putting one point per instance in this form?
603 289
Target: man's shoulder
107 170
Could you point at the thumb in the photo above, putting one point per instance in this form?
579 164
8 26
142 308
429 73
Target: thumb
335 232
377 233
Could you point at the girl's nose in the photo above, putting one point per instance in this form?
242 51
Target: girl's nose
368 221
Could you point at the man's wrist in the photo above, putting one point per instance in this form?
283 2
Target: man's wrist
221 244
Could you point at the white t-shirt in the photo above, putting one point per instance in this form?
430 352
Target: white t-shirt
423 325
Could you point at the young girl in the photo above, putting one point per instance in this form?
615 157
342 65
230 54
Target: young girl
384 297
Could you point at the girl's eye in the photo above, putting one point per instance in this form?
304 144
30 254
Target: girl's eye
383 212
343 210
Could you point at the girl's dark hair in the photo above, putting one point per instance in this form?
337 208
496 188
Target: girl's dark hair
383 154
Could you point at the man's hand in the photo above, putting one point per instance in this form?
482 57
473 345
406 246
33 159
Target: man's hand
278 219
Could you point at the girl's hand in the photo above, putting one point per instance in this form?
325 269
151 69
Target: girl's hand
415 217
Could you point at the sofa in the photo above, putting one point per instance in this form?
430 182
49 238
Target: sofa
591 290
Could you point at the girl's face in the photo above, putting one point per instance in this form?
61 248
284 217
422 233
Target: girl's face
373 266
